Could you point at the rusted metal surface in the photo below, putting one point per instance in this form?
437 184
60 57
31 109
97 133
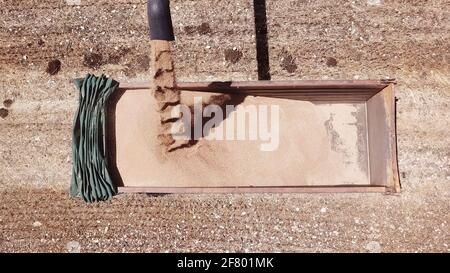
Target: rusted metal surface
312 189
332 90
267 85
382 139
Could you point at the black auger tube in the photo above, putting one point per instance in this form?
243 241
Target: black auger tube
159 20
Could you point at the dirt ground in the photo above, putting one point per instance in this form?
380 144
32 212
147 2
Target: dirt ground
44 44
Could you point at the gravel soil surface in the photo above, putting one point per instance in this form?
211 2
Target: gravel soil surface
44 44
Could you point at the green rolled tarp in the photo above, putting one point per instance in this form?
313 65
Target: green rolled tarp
90 176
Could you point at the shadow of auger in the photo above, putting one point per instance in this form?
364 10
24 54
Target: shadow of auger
262 41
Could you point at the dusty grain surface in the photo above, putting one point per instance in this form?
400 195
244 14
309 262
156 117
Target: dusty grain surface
407 40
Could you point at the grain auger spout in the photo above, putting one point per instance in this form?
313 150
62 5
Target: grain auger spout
163 85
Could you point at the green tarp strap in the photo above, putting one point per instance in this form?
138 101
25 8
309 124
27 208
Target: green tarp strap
90 177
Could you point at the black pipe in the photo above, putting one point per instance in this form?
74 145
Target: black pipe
159 20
